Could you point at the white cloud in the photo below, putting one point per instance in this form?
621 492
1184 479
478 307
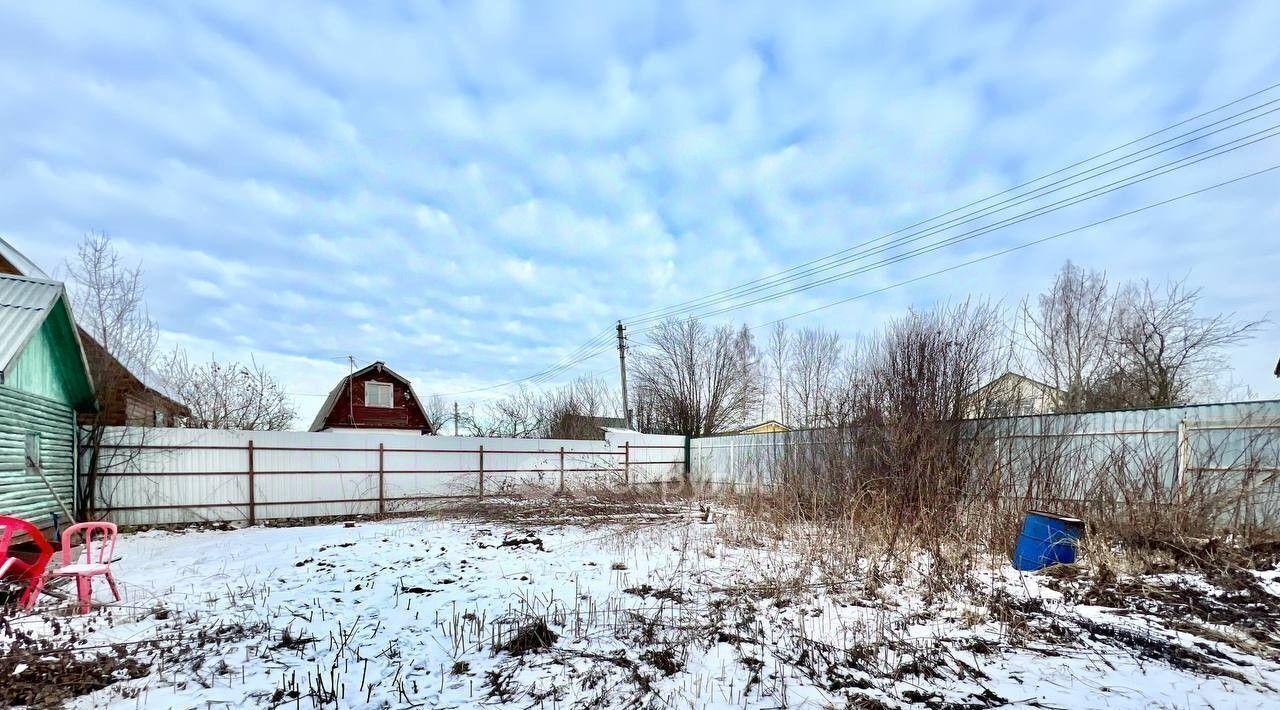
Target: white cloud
482 188
208 289
521 271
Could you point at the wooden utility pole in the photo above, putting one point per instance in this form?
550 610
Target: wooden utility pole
622 369
455 418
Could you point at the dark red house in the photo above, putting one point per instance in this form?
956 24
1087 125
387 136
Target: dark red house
373 398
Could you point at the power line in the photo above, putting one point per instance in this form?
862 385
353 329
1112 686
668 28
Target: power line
561 364
907 239
1024 245
601 346
1142 176
1092 193
999 194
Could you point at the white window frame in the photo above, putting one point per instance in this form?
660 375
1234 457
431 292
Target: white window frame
386 387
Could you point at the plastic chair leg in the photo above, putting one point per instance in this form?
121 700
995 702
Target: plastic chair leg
111 581
85 589
33 593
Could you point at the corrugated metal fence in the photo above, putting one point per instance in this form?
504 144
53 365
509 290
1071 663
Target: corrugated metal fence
1079 458
166 476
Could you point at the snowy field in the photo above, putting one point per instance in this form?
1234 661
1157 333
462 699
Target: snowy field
651 607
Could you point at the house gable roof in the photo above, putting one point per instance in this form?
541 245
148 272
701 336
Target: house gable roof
764 425
19 262
25 305
115 371
1015 376
317 424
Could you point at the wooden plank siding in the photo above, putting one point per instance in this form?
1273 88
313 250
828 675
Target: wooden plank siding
23 494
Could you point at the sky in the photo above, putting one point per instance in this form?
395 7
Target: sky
471 191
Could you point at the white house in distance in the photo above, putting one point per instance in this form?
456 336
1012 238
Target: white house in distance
1011 395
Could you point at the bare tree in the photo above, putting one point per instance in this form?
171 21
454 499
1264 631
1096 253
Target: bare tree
1135 346
518 415
779 356
812 377
439 413
695 381
1162 352
110 307
926 365
228 395
1066 330
468 422
569 412
109 297
575 410
895 403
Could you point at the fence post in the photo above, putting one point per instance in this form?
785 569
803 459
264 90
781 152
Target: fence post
482 471
1183 453
733 462
252 517
688 460
626 463
561 470
382 506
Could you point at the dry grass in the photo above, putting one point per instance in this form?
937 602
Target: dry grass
776 616
959 485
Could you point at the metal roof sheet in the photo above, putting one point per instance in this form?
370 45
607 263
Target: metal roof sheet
24 304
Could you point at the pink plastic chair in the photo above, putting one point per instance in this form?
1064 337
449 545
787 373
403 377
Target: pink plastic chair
95 559
31 571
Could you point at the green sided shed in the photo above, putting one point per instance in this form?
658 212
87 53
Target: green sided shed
44 381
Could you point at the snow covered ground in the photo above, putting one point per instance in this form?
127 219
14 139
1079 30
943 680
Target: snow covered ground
646 607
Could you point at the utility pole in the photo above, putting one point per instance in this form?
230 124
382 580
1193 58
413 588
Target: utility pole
622 369
455 418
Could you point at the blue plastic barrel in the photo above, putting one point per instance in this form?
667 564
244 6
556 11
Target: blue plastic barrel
1046 539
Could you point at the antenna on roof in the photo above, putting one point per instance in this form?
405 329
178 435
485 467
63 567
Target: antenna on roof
351 406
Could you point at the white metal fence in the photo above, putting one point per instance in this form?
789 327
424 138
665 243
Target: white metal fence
1051 459
165 476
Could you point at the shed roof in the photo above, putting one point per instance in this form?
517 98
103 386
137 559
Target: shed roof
605 423
25 304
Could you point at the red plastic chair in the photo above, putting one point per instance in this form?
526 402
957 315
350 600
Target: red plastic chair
13 567
95 559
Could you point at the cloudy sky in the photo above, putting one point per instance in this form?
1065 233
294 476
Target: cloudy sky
471 191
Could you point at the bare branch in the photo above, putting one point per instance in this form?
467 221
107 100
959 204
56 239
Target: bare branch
227 395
